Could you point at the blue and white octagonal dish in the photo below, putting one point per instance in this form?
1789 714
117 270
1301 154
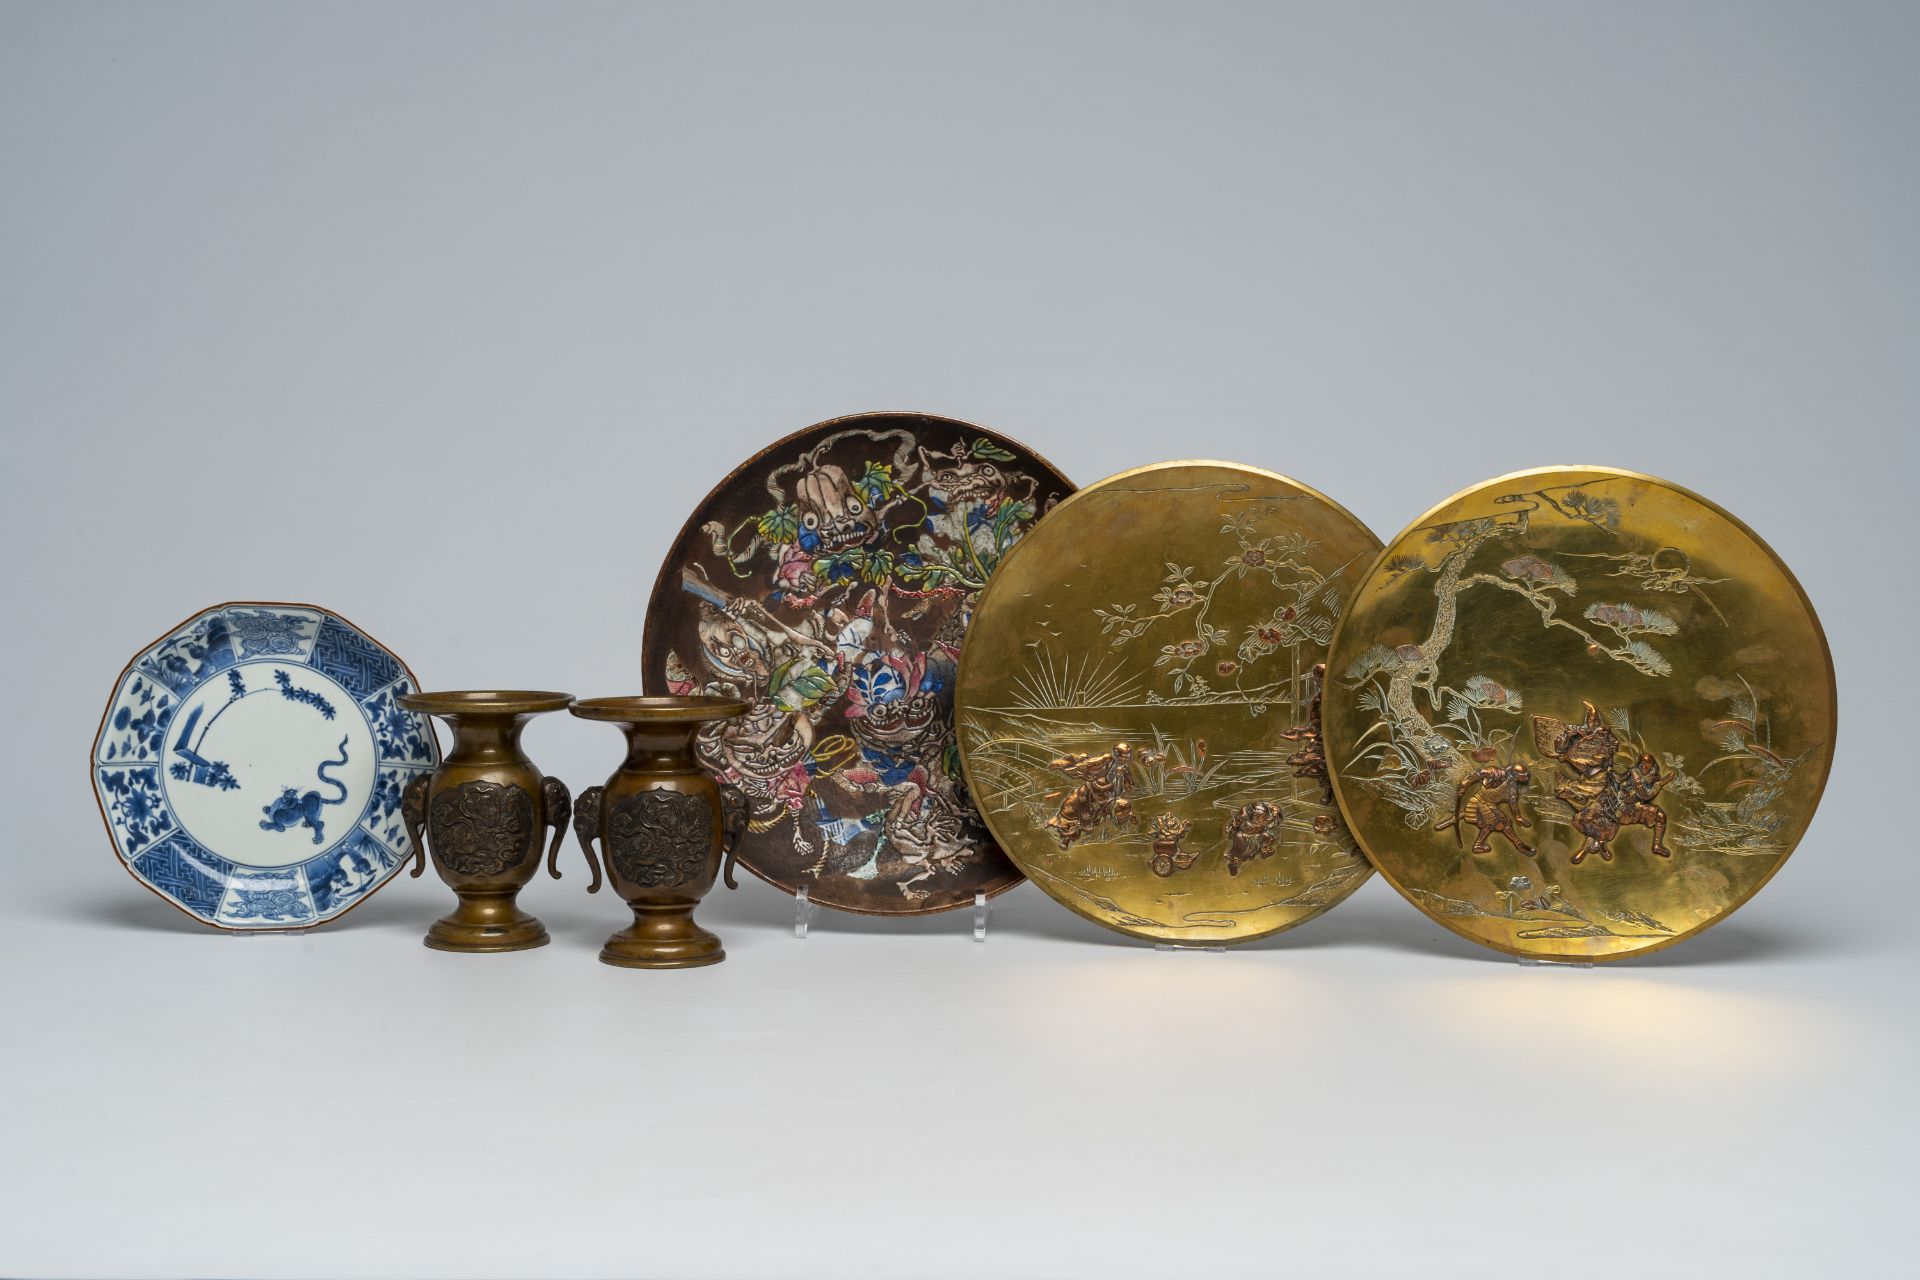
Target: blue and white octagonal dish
251 763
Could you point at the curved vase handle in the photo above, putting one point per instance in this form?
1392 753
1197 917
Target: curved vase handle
586 826
734 813
413 807
558 802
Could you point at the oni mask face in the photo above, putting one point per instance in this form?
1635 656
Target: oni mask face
961 478
832 514
900 721
733 649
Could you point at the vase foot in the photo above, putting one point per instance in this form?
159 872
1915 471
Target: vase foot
624 961
498 932
650 946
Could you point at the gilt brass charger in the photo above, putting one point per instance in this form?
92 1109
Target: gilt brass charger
828 582
1579 713
1137 704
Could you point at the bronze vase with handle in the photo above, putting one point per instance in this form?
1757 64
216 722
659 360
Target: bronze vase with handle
483 815
663 825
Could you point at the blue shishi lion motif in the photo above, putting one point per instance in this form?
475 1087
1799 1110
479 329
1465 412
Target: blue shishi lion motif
294 806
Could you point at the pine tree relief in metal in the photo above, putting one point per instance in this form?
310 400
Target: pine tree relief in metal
660 838
482 828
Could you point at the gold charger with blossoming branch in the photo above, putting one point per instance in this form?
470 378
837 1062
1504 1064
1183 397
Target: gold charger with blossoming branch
1137 702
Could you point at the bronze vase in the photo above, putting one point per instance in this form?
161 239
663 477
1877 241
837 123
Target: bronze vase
663 827
483 814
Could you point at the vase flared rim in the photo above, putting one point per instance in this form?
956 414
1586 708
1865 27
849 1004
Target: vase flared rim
507 702
658 709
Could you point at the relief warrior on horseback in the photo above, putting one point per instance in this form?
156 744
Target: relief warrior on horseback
1603 798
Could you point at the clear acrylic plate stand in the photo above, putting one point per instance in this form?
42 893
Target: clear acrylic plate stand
1543 962
1217 949
804 907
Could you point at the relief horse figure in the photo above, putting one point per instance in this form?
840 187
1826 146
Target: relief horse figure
1603 798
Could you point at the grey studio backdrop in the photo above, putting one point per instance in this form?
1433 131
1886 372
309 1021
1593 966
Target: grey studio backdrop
279 285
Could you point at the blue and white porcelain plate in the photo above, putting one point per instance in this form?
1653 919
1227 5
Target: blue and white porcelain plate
251 763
